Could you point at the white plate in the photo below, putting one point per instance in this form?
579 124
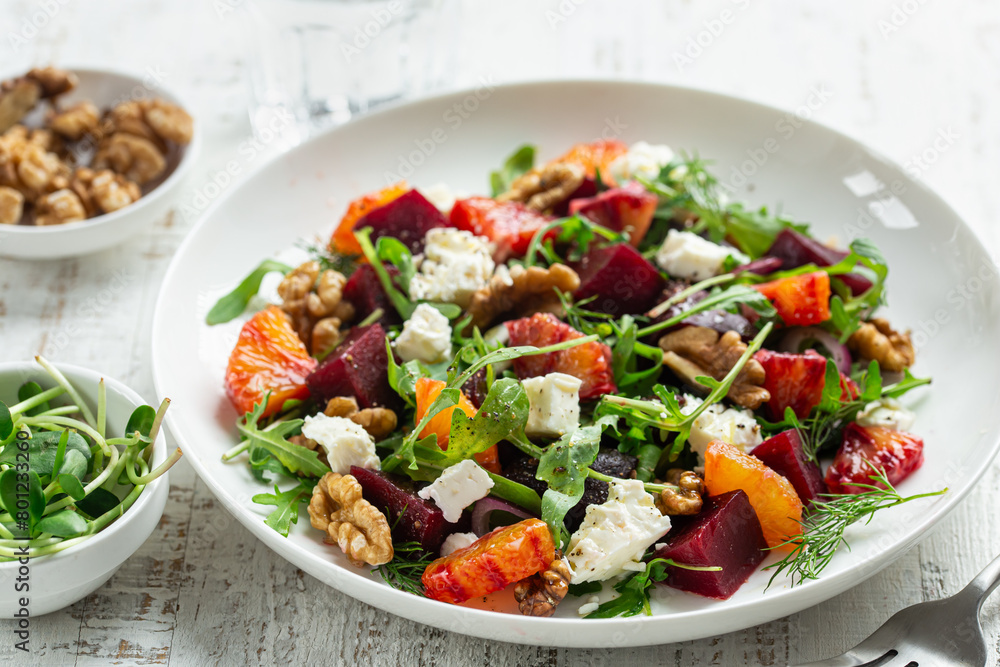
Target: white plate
943 284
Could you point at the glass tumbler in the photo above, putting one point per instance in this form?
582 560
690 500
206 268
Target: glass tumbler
318 63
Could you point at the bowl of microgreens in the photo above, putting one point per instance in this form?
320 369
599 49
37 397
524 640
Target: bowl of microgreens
82 482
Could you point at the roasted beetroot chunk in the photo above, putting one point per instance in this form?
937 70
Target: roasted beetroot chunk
365 293
412 518
357 367
725 534
628 209
623 281
783 454
406 218
795 249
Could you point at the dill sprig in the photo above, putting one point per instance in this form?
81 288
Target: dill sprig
406 568
824 526
327 258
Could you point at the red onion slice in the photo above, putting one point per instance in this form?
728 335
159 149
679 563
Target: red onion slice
483 508
799 337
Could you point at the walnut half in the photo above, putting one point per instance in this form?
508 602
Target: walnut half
540 594
543 187
521 292
378 422
350 521
879 341
694 351
686 498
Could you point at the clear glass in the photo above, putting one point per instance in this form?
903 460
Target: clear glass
317 63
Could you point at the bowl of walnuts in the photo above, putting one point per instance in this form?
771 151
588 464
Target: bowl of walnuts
88 158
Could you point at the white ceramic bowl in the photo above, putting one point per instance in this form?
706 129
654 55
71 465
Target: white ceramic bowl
104 88
942 283
61 579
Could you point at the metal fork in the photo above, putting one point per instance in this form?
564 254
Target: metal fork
942 632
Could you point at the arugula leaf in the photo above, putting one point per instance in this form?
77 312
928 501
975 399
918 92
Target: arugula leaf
503 414
633 598
625 355
516 165
575 230
233 304
403 379
286 504
263 464
296 458
516 493
392 250
724 299
586 588
906 384
564 466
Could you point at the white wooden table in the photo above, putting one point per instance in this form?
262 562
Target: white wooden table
202 590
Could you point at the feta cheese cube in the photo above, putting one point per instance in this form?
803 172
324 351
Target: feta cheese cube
888 413
426 336
717 422
346 443
458 487
455 264
687 255
554 401
615 535
457 541
642 160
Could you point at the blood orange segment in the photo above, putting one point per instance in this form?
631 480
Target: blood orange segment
269 356
343 240
595 156
590 362
491 563
508 225
427 391
800 300
773 497
896 453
